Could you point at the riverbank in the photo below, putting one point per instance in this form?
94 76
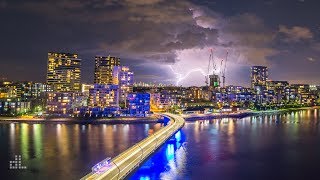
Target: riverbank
242 114
117 120
146 120
286 110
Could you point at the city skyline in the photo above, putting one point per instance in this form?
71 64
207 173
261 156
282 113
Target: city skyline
159 89
161 47
54 58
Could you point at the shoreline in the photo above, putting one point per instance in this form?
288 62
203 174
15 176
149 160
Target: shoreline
245 114
146 120
123 120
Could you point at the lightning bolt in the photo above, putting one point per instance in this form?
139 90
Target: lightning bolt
181 77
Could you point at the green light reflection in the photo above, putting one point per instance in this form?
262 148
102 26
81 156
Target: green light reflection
37 137
24 141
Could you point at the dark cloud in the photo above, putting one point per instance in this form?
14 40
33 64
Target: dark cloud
250 37
295 33
135 28
316 46
3 4
144 33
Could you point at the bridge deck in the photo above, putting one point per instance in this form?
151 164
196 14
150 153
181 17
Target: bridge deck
120 166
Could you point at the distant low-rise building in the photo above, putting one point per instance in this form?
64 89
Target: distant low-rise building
163 100
14 106
60 102
8 90
276 91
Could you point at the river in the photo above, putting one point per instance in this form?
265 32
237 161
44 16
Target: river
275 146
279 146
64 151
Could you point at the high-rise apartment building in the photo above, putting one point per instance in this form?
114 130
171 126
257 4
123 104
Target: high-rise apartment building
123 77
214 81
104 69
259 76
64 72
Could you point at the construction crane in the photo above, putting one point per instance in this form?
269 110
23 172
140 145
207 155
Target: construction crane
223 72
211 63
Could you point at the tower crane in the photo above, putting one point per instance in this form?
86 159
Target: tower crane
210 63
224 71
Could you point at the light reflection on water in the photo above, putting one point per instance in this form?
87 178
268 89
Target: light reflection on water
249 148
167 163
64 151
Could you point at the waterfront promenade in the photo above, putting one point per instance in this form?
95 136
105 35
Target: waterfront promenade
123 164
241 114
145 120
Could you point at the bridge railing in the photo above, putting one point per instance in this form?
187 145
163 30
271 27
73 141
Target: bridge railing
129 160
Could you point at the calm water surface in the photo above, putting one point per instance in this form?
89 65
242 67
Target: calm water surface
283 146
64 151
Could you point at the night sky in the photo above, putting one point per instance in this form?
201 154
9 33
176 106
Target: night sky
162 40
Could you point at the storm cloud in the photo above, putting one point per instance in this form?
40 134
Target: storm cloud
159 35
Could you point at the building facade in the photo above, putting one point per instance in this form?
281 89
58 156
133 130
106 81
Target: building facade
259 76
103 72
60 102
124 78
14 106
64 72
138 104
277 89
8 90
214 81
103 96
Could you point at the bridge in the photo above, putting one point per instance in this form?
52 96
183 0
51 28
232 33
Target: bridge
123 164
